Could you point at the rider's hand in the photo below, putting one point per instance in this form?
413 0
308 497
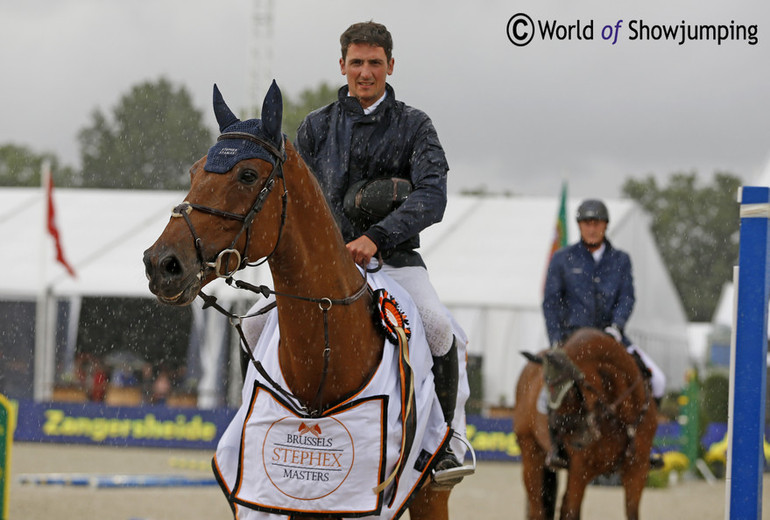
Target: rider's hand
362 250
614 331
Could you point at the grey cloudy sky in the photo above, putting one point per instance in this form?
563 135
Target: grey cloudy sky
515 118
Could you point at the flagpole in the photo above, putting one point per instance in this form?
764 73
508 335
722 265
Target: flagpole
43 378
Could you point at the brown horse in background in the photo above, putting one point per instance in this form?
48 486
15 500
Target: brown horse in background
273 208
602 411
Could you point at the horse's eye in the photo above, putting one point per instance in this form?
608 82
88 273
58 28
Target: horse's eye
248 177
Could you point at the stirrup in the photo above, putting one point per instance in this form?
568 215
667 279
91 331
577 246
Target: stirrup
554 461
447 478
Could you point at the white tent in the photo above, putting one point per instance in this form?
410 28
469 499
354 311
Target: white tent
103 235
487 260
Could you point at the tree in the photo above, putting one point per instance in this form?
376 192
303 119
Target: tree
20 166
697 232
154 137
309 100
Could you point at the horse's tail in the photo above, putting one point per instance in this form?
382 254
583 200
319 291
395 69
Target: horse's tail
550 484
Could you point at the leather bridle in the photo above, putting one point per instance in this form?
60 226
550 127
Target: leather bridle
608 410
221 263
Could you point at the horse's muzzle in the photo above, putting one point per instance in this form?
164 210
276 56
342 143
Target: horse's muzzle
169 278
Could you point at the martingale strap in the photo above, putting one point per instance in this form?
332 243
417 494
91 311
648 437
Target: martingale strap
316 408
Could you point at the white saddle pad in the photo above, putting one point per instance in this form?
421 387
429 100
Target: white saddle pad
273 460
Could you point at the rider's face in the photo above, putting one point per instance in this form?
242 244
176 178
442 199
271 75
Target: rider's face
366 68
592 231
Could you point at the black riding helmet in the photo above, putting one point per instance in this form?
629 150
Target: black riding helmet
592 209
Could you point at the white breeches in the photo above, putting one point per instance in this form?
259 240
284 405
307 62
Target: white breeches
435 320
658 380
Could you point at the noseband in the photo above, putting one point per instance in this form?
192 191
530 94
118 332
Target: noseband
221 263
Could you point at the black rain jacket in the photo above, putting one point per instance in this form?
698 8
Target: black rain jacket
342 145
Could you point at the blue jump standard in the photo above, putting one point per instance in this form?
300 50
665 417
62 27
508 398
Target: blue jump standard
749 373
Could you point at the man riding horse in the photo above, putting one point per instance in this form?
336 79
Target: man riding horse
383 172
359 147
590 284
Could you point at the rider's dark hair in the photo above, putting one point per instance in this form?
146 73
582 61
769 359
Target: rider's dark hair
369 32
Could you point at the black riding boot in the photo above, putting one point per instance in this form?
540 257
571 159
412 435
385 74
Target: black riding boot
656 458
446 378
557 457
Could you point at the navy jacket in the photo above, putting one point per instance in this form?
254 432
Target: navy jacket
342 145
582 293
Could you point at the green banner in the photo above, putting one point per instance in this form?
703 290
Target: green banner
6 440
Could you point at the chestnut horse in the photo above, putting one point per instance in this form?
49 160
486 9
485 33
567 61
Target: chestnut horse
266 204
601 410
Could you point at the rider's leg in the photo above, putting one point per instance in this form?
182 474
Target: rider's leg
658 384
441 341
557 457
658 379
437 325
445 378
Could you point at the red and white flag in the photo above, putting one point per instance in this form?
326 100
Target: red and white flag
51 222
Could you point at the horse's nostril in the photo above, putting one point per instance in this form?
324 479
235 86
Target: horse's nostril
171 265
148 268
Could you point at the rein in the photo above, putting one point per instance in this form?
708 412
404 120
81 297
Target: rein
576 379
324 304
610 410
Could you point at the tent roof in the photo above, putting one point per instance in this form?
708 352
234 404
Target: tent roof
103 235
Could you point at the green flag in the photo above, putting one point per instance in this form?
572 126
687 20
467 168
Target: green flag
560 238
7 425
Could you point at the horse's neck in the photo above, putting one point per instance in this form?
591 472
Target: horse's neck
312 261
311 258
614 366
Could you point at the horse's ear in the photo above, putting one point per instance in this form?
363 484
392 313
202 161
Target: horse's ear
532 358
224 115
272 113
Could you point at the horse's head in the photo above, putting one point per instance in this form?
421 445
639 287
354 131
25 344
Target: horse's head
229 217
564 382
560 375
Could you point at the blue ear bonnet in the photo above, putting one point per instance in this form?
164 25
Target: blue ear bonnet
227 152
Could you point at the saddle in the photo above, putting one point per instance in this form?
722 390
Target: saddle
646 372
